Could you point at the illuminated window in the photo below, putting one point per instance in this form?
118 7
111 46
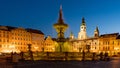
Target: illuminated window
95 47
113 42
103 48
4 35
108 43
95 43
4 40
7 36
108 48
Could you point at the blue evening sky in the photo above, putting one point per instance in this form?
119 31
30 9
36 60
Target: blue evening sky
42 14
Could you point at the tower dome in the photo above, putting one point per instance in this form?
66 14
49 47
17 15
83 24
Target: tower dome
82 34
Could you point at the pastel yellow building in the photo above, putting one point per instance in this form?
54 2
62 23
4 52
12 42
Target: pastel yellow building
37 39
109 43
49 44
13 39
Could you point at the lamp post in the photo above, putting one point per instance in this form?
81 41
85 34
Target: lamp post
36 49
88 48
30 52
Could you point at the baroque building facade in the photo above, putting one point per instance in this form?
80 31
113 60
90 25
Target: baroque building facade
105 43
13 39
110 43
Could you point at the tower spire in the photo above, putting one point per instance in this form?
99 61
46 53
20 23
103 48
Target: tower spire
60 20
71 35
97 28
61 7
96 32
83 21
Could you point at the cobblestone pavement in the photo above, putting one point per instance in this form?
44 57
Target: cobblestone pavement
64 64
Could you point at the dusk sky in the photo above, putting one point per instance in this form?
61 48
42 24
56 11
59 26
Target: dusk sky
42 14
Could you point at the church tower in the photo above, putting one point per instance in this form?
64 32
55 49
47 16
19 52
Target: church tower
71 35
82 34
96 32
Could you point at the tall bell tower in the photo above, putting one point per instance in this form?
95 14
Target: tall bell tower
82 34
96 32
60 27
